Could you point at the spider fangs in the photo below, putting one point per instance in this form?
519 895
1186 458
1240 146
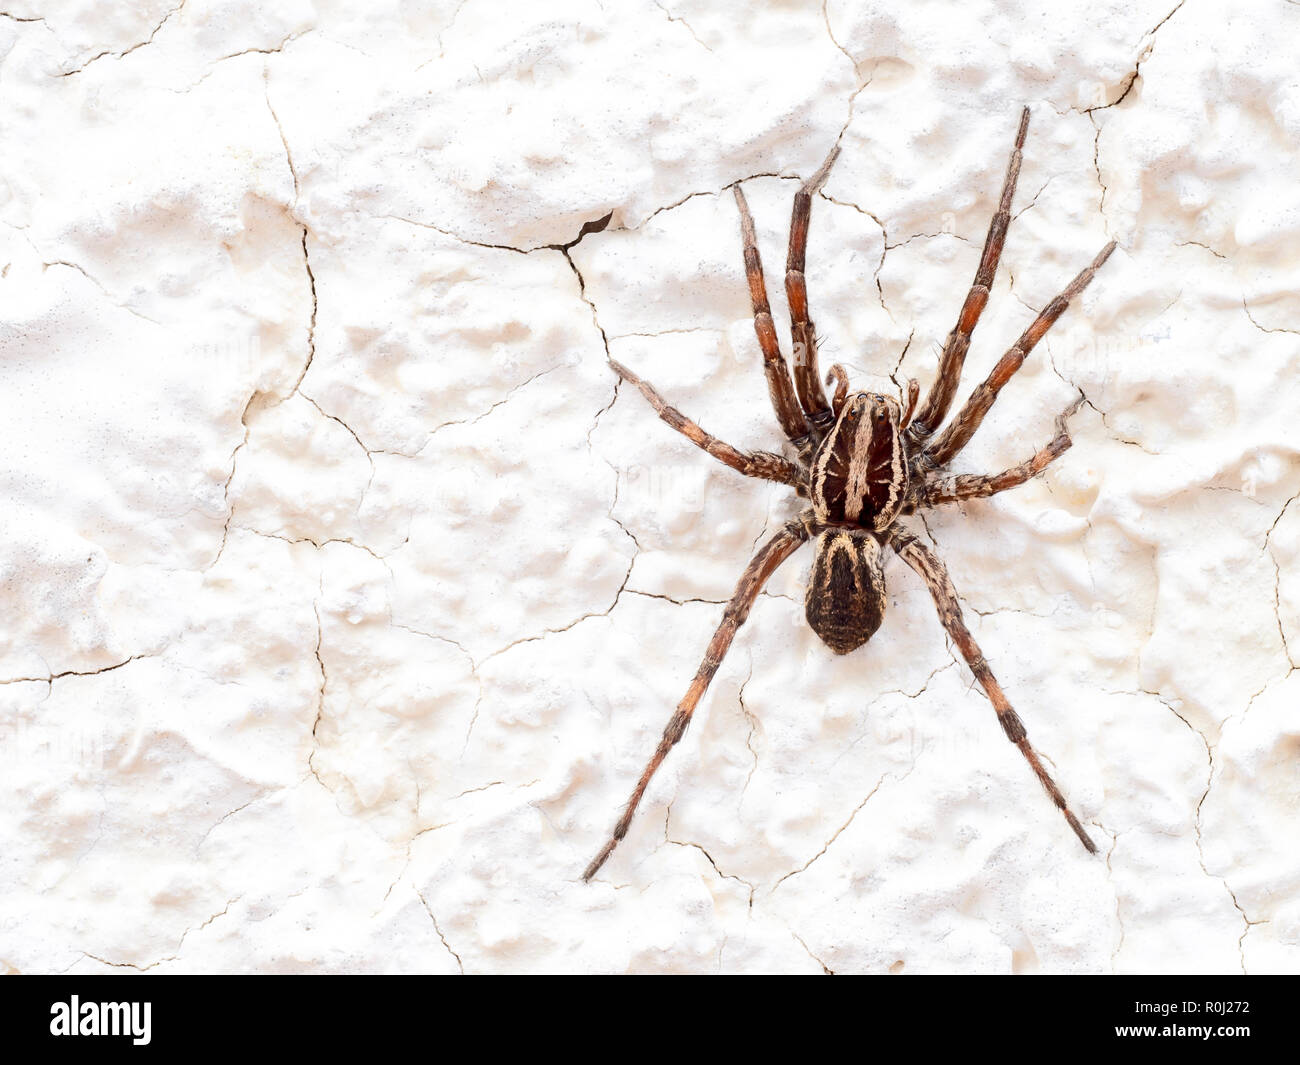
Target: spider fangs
864 460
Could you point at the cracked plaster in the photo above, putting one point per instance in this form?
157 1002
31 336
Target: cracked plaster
347 591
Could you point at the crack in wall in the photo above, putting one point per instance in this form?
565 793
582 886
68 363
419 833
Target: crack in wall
311 335
928 236
1262 328
1015 217
672 332
830 32
429 910
311 326
1211 769
860 82
225 489
99 285
368 452
749 738
1148 43
442 48
866 711
689 28
320 697
707 855
441 639
884 249
595 225
1096 166
127 51
565 628
545 633
582 294
1198 244
318 544
215 63
50 678
406 859
284 41
604 338
826 969
180 946
227 816
898 365
1277 584
1111 432
764 594
714 192
1200 856
1119 914
836 834
121 964
311 276
595 424
475 419
463 240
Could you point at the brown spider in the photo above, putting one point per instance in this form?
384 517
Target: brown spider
863 460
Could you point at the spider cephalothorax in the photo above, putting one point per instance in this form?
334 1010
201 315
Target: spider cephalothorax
859 473
863 460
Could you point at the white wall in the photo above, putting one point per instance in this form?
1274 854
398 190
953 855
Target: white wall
345 594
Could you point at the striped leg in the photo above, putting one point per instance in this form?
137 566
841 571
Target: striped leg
963 427
940 396
951 489
935 575
762 464
807 378
779 385
761 567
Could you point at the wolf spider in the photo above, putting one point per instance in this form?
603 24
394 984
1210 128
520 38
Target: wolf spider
864 460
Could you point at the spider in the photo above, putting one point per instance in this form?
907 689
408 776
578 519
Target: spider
863 461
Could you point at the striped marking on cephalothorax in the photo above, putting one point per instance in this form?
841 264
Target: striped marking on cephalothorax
860 473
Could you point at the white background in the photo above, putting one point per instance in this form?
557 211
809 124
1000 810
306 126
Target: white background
345 593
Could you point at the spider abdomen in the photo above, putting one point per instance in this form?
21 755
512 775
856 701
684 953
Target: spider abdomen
845 603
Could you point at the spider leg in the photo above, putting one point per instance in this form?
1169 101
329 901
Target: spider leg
935 574
940 396
978 485
761 567
963 427
807 379
763 464
779 385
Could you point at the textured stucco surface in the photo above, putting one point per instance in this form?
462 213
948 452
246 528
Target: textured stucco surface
344 594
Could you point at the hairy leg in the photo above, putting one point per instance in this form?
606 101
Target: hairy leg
764 464
963 427
761 567
940 396
953 489
779 385
807 380
935 574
